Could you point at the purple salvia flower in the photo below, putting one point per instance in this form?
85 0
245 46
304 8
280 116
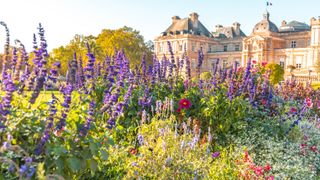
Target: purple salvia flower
90 65
172 61
50 121
6 60
164 66
140 139
144 68
90 117
67 93
200 61
73 66
188 68
252 89
14 59
6 99
23 60
43 42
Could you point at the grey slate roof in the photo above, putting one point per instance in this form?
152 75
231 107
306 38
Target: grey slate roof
228 32
187 26
294 26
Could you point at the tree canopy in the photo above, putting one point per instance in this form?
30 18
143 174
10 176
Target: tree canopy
105 44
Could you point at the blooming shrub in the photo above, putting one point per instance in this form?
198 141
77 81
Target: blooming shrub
106 120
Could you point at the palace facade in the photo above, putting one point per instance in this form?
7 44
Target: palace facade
294 45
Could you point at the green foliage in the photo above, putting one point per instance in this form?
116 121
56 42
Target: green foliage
165 154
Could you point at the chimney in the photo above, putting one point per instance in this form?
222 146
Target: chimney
283 23
194 17
236 27
175 18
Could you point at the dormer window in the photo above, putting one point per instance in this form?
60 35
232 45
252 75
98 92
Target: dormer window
293 44
225 48
237 48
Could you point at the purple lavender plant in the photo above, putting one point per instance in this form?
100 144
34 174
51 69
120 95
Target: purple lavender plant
6 60
48 129
67 92
6 99
85 128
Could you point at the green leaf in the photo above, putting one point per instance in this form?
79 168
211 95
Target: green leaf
93 148
74 164
104 155
59 151
93 165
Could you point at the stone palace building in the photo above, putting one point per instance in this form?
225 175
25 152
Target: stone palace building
292 44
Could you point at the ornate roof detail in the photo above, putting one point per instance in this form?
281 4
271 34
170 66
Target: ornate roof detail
265 25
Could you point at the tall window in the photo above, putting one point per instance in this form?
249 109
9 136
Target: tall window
298 62
225 48
293 44
224 64
180 47
161 47
184 46
237 48
210 48
193 47
193 64
282 62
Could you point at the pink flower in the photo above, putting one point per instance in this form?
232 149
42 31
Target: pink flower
263 101
314 148
254 62
302 146
270 178
293 110
184 104
308 102
259 171
179 110
264 63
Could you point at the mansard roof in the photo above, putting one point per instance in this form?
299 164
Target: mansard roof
228 32
294 26
189 25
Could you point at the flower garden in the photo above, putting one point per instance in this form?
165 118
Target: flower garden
153 121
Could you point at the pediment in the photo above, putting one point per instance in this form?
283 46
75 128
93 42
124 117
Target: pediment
254 38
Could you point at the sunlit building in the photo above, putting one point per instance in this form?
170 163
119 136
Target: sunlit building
293 45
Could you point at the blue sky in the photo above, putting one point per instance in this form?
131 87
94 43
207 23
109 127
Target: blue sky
62 19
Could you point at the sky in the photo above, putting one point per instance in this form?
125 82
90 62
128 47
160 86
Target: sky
62 19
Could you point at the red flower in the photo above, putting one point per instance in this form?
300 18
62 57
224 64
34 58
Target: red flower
267 167
293 110
258 170
264 63
184 104
263 101
179 110
254 62
133 151
314 148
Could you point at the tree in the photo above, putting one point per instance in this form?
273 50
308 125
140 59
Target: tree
105 43
277 73
126 39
